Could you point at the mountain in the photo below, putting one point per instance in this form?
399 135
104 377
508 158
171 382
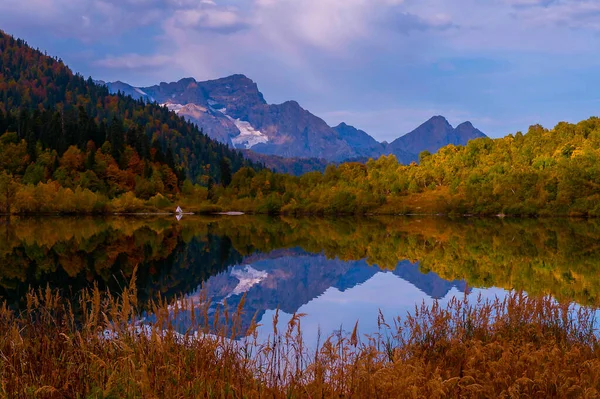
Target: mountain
433 135
295 132
126 90
292 166
233 111
466 132
360 141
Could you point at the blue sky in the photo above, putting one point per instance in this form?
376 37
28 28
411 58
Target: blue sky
383 66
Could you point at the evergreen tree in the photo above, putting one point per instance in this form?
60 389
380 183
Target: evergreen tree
116 137
3 122
83 127
170 159
56 137
225 171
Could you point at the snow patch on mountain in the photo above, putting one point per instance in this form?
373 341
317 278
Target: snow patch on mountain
249 277
249 137
173 107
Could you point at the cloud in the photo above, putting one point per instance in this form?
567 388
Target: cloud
390 62
332 24
89 20
94 20
322 24
133 62
529 3
302 36
405 22
577 15
210 18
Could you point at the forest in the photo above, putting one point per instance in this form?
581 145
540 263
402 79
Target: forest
544 172
68 146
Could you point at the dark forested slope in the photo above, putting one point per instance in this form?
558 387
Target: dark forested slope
50 109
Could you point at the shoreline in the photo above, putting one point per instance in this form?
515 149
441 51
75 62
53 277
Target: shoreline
302 215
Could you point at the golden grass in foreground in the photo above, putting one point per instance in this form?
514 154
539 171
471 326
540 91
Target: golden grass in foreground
519 347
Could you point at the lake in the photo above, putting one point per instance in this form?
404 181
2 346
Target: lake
336 271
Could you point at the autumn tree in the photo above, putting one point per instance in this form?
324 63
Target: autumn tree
8 190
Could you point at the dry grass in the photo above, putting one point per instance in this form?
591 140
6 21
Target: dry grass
518 347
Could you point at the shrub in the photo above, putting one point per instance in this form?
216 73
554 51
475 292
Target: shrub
127 203
159 201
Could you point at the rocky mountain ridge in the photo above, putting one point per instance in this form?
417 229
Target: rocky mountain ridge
232 110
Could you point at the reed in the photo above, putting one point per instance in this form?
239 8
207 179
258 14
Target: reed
102 347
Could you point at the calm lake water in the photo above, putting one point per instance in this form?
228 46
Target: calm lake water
337 271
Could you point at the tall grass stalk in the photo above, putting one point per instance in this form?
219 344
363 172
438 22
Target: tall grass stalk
100 347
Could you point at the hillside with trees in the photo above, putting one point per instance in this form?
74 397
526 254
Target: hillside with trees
67 144
542 172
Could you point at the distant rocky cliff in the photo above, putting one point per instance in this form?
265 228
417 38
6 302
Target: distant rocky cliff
234 111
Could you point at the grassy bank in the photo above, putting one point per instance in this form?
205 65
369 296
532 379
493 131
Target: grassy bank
519 347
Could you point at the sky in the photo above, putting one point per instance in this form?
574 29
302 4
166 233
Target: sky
384 66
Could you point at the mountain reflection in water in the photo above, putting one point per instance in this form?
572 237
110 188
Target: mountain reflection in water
290 279
337 271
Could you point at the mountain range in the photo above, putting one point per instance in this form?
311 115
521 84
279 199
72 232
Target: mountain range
233 111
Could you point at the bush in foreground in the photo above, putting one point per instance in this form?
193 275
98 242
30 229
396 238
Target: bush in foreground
98 348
